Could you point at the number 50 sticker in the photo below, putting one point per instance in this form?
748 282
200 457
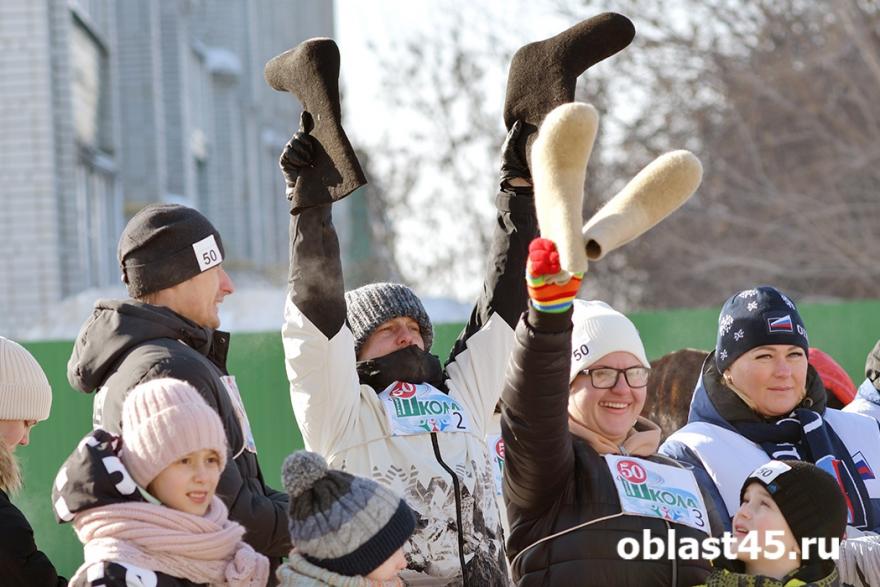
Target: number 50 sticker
632 471
207 253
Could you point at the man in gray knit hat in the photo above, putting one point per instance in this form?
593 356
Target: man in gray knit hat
171 257
367 393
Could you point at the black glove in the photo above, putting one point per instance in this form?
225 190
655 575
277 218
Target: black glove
299 152
513 155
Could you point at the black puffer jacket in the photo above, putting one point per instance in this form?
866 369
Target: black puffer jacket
125 343
554 480
21 563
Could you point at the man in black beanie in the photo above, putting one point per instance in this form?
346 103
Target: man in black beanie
366 392
171 261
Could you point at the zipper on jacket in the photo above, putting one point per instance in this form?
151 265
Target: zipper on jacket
674 557
457 489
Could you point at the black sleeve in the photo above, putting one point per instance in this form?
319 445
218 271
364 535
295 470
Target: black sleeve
315 280
534 413
504 287
21 563
262 511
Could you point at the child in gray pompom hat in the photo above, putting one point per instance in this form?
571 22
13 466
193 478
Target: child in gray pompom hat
346 530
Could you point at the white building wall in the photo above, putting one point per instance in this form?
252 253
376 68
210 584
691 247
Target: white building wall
30 276
107 105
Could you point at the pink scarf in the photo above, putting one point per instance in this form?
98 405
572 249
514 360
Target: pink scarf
202 549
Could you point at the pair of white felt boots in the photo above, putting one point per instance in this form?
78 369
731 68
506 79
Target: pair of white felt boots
559 160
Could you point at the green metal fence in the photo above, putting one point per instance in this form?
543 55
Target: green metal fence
846 331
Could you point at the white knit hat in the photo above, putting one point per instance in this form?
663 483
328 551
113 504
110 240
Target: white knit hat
25 393
599 330
164 420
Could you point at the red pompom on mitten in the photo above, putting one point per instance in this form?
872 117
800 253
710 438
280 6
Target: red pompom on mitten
551 289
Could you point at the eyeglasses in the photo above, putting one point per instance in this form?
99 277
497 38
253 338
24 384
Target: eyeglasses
606 377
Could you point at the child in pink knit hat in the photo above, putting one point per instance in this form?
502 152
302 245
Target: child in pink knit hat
144 505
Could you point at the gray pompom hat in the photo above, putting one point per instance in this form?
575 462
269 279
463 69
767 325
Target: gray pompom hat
346 524
371 305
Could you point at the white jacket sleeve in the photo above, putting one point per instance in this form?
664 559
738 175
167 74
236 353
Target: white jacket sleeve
476 375
324 387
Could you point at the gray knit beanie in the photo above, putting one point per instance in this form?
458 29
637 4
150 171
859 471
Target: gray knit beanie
166 244
25 393
348 525
371 305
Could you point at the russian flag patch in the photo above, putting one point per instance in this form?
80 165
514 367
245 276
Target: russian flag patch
780 324
862 466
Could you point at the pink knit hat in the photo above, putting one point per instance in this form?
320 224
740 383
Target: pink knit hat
164 420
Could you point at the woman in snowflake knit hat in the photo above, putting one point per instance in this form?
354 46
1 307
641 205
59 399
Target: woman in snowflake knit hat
759 399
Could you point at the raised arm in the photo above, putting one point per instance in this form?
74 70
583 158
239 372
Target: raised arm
318 347
542 76
315 278
503 292
538 454
534 413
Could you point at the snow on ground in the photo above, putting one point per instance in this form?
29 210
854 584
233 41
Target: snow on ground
250 309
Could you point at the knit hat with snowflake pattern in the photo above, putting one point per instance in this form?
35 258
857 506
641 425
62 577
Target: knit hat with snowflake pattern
757 317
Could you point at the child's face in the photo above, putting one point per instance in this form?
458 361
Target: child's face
188 484
390 568
759 513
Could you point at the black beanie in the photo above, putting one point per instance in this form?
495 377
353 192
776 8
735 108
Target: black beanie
809 498
757 317
166 244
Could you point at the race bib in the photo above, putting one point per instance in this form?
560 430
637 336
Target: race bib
240 413
420 409
496 456
654 490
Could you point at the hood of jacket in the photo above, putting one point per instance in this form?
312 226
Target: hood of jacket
93 476
117 326
715 403
868 392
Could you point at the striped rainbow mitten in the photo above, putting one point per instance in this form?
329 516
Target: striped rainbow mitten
551 289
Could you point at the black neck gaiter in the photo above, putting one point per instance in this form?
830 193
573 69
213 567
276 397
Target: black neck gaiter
410 364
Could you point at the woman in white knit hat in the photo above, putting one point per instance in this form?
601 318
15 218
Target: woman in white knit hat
25 399
145 508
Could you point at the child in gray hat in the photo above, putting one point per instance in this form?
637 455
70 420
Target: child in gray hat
346 530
